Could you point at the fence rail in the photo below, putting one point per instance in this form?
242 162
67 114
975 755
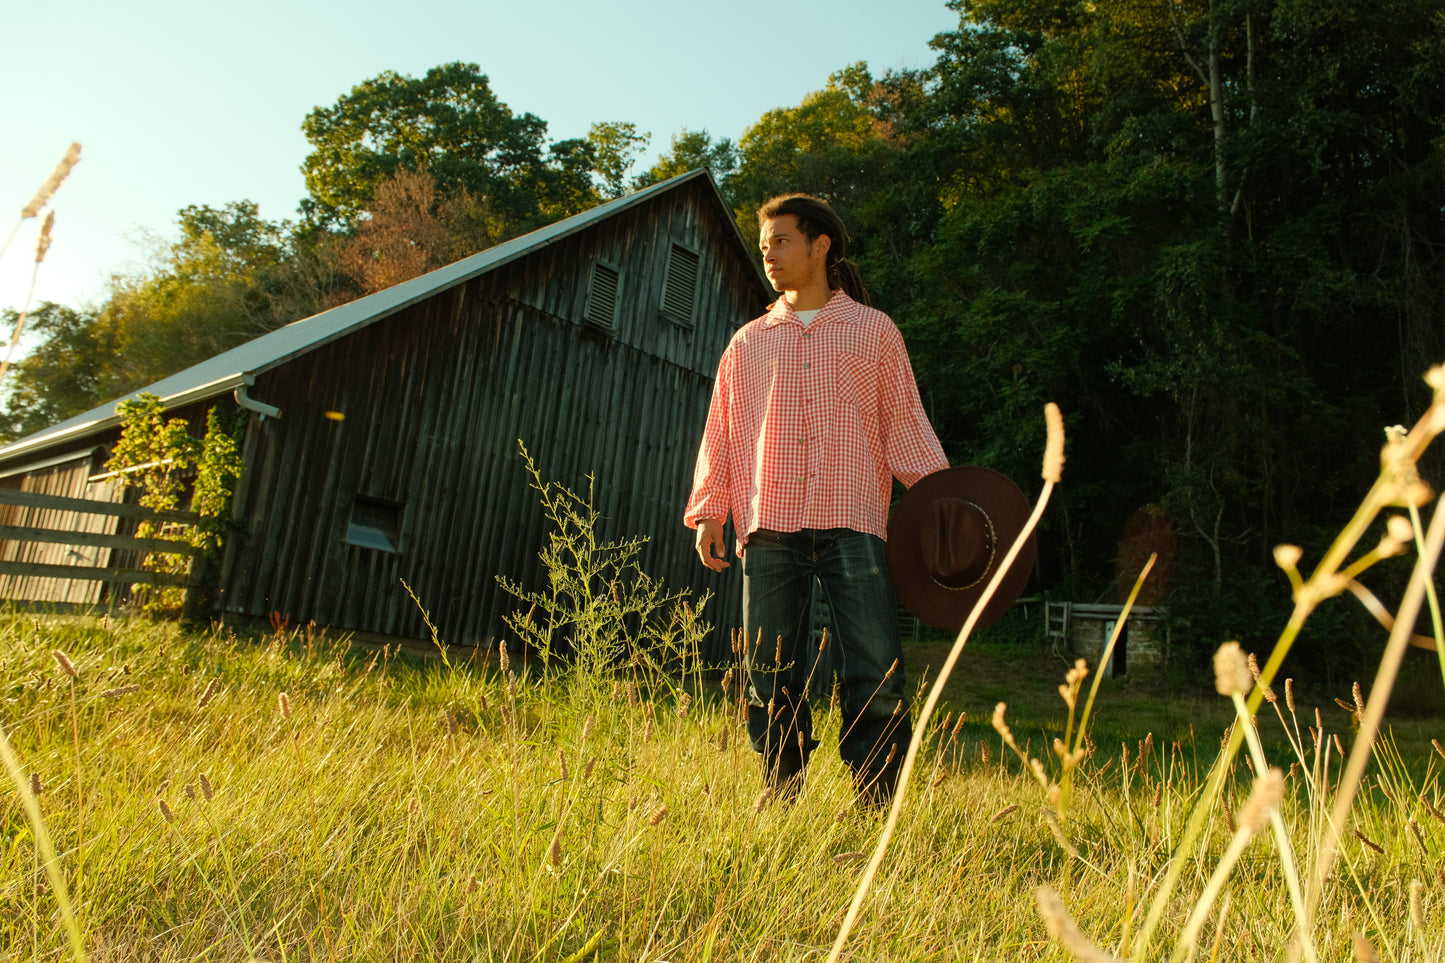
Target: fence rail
94 573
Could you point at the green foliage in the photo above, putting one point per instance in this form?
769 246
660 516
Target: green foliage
159 456
615 146
218 468
691 150
62 377
450 123
600 615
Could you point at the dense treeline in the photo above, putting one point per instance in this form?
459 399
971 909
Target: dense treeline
1211 231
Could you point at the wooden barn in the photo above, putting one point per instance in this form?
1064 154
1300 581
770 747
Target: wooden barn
382 440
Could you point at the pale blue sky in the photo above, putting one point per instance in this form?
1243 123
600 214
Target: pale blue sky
193 103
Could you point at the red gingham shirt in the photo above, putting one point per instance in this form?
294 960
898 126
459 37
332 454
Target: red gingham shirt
809 425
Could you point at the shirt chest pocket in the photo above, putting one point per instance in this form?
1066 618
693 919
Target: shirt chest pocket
858 382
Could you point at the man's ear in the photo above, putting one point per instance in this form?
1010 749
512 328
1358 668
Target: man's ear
821 247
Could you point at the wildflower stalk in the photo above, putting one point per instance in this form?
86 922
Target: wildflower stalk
1053 468
1397 483
1289 864
1437 625
1375 709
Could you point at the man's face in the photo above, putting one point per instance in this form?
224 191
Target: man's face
791 262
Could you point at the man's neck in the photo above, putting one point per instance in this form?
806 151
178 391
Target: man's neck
810 298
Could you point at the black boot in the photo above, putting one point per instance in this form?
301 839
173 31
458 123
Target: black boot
875 788
784 774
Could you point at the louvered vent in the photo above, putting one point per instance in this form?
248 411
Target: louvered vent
602 296
679 293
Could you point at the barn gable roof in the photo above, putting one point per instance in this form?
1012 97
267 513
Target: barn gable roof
236 369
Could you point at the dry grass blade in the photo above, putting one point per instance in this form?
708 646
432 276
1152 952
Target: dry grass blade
1062 928
1052 465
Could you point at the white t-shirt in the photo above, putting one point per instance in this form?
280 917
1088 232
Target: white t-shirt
807 316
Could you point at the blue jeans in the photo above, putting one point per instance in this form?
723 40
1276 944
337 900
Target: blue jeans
778 573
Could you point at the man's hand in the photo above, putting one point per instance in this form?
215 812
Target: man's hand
710 545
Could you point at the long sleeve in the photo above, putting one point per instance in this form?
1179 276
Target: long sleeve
912 448
711 492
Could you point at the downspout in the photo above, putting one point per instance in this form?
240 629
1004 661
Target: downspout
251 404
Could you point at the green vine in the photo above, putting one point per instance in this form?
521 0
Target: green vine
158 456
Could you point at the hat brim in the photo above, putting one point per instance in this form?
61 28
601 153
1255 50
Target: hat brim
1008 511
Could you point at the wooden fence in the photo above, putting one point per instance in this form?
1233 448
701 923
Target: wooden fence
18 568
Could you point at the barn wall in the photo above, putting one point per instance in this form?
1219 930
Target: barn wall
434 400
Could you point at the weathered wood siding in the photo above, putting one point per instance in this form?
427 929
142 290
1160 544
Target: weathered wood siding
68 477
435 399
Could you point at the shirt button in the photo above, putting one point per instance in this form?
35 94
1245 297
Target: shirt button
805 364
800 478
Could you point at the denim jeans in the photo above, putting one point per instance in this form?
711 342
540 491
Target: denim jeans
778 573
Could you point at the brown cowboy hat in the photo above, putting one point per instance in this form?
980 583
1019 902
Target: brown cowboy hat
946 540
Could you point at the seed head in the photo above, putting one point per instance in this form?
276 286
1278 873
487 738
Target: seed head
1054 447
554 854
283 701
1231 671
43 243
166 813
209 694
658 815
1398 534
206 789
66 666
1368 842
36 786
1288 557
57 176
190 791
1263 800
1364 950
999 725
1003 812
120 691
1062 928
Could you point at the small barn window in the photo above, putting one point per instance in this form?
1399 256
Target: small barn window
679 290
602 296
375 524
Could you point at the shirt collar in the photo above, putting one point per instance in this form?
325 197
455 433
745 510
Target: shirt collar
836 309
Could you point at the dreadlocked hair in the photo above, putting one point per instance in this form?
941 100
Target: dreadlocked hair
816 219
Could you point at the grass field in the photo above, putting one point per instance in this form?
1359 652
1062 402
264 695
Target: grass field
284 797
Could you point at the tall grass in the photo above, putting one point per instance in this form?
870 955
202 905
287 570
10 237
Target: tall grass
290 796
337 803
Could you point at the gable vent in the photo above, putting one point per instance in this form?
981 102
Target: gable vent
679 293
602 296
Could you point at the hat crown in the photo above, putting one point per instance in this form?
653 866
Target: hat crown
956 542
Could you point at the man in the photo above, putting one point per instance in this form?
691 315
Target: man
814 413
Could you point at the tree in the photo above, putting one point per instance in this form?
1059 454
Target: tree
615 147
450 123
61 378
692 150
409 231
230 277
